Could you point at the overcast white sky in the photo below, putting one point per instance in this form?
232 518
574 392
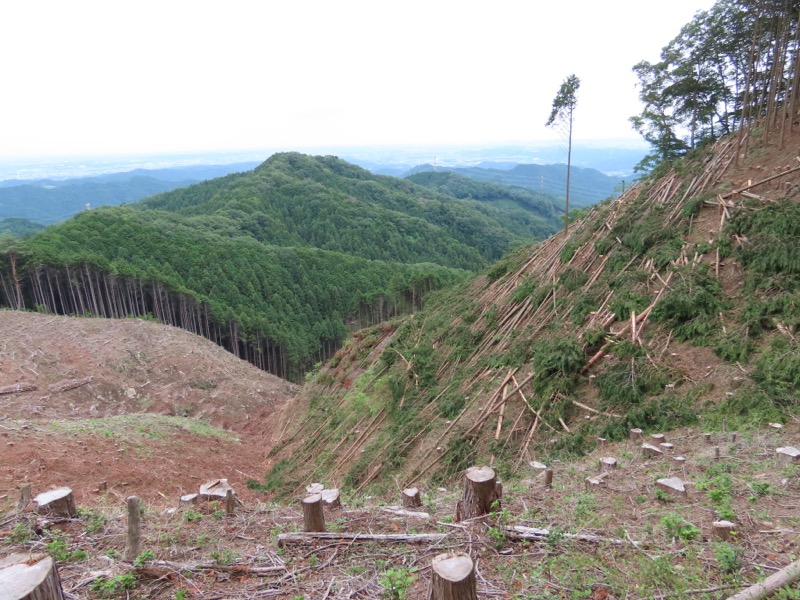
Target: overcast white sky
123 76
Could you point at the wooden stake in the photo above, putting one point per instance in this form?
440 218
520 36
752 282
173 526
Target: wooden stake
230 503
134 533
24 496
453 577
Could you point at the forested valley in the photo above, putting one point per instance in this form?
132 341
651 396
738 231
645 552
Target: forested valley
274 264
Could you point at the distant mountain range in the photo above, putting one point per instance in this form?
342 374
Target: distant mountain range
587 186
49 201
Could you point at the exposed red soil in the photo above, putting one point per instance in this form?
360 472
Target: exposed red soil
135 367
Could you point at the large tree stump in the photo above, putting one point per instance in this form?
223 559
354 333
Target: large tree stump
453 578
411 498
29 577
57 503
134 531
313 519
480 493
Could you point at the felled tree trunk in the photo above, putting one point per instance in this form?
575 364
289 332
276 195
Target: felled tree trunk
481 491
29 577
57 503
313 519
453 578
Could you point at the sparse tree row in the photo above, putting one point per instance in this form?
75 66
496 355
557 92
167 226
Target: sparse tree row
735 64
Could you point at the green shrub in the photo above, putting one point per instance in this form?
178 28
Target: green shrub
691 306
777 369
675 526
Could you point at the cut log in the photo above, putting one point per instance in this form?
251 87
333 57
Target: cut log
534 533
134 532
411 498
401 512
58 503
593 483
29 577
650 450
480 493
17 388
538 466
305 537
313 519
453 577
672 485
607 464
788 454
724 530
771 584
330 498
24 496
189 498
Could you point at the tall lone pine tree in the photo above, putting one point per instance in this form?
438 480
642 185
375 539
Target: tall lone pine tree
562 115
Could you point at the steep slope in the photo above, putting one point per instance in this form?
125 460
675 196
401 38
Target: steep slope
139 405
675 304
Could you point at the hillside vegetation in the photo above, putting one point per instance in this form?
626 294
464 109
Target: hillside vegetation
648 315
274 264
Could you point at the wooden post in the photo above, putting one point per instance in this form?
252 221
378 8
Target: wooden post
134 530
24 496
29 577
58 502
230 503
480 493
313 519
453 577
411 498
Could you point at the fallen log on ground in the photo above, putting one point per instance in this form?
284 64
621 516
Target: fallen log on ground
304 537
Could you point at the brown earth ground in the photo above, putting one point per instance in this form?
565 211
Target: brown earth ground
159 410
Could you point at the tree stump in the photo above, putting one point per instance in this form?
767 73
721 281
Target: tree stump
313 519
672 485
134 532
57 503
24 496
635 434
411 498
650 450
608 463
480 493
315 488
29 577
788 453
453 578
724 530
658 437
707 438
330 498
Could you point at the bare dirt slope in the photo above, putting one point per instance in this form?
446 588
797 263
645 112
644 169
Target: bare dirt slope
155 409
